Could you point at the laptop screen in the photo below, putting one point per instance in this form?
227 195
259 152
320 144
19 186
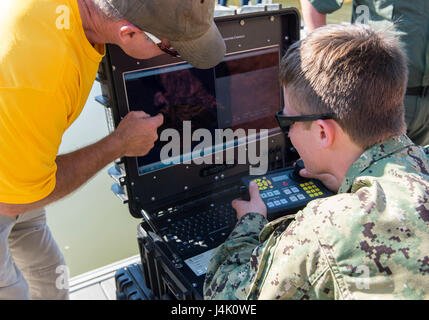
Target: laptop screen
242 92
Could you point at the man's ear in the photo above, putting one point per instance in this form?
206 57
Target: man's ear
127 32
327 131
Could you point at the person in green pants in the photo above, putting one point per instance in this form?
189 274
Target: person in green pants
410 20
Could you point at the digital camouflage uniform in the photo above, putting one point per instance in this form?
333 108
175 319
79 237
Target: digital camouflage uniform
411 24
370 241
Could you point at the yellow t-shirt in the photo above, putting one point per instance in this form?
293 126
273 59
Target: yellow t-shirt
47 69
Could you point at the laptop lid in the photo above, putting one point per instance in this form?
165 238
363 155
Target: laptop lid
219 123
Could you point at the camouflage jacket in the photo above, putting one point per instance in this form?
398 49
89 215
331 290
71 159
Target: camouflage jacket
369 241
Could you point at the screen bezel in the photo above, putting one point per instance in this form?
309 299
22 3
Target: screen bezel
242 32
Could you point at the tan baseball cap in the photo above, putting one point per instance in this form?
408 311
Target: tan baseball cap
187 24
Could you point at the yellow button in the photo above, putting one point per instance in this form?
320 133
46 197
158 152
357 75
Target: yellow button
320 193
311 195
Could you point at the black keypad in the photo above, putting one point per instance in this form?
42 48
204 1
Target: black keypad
198 229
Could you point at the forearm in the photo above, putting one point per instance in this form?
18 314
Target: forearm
233 265
76 168
73 170
312 18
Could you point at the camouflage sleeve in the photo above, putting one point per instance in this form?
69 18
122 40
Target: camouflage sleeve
229 273
292 263
287 262
326 6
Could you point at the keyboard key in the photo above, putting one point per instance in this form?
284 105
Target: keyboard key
200 228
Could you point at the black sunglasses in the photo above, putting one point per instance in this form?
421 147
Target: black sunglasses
285 122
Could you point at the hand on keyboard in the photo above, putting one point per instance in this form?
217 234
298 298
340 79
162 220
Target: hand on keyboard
254 205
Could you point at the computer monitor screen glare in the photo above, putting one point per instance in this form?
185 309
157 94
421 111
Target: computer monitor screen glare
242 92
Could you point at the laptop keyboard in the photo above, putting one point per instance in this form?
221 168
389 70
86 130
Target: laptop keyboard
200 229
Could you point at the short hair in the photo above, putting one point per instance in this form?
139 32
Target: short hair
353 71
104 7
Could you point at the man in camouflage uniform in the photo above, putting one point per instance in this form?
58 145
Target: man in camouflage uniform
410 22
371 239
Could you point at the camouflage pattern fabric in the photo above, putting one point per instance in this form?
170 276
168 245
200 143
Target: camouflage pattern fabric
370 241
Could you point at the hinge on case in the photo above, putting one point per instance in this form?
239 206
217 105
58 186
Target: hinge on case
120 192
103 100
117 173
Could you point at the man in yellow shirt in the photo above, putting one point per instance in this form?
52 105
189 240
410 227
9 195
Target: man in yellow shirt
49 56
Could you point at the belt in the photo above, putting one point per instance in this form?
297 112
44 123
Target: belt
418 91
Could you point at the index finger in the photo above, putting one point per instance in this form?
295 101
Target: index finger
142 114
236 202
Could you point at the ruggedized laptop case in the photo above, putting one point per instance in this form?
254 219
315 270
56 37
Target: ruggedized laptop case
155 193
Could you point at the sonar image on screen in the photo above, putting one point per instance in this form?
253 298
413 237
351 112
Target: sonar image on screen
242 92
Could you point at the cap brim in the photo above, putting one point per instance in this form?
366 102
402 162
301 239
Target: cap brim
205 52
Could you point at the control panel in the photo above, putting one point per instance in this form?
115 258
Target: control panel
285 191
